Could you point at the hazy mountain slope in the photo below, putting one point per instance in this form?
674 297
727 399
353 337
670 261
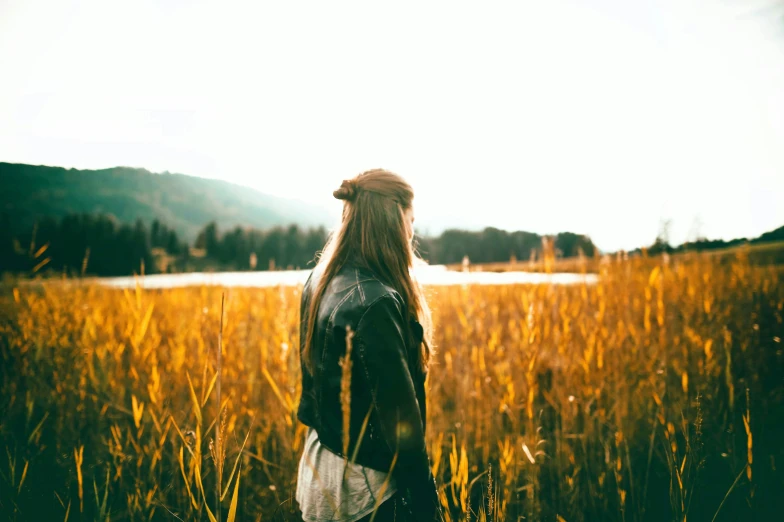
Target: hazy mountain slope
186 203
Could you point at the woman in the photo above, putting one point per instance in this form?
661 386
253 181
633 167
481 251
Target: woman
361 297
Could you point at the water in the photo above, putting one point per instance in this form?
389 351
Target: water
430 275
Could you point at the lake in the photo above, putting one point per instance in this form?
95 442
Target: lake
429 275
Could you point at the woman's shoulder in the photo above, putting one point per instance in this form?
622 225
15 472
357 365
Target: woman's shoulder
364 282
355 290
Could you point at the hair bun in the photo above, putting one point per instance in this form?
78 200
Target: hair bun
347 191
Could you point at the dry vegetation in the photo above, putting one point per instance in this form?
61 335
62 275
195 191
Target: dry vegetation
767 253
657 394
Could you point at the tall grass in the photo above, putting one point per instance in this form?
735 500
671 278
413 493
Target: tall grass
656 394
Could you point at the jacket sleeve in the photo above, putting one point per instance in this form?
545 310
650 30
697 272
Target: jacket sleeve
381 347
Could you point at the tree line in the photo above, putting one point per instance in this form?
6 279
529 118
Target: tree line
253 249
87 244
493 245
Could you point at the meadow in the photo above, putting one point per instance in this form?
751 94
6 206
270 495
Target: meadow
655 394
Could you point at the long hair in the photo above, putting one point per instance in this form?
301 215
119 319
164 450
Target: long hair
373 230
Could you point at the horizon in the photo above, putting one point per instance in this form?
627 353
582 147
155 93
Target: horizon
602 121
336 216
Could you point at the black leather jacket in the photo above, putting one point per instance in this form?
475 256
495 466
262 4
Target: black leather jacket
387 386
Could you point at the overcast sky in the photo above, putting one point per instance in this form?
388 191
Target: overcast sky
543 116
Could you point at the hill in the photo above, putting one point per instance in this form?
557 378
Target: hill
773 235
31 192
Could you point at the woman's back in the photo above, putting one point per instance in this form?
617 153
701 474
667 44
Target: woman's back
363 360
356 301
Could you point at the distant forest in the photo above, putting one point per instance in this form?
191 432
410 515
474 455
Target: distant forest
87 244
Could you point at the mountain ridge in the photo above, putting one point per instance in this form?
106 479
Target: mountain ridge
29 192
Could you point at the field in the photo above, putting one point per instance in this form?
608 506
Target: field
656 394
766 253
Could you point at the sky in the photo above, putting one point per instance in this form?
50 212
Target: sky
605 118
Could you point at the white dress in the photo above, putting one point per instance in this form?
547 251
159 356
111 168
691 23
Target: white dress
324 495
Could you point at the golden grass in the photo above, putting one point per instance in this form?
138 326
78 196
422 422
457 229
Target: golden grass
633 399
768 253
